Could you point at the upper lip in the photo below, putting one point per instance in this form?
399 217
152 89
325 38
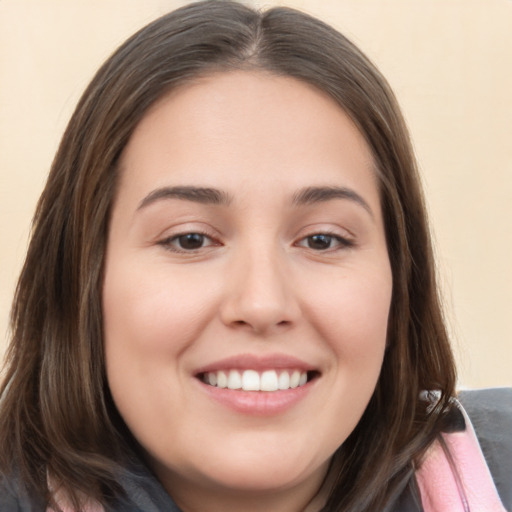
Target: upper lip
258 363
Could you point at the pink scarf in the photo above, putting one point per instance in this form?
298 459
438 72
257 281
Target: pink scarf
64 505
454 476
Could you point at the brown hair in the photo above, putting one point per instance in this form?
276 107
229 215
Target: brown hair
56 414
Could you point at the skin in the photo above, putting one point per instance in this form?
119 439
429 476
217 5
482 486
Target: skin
257 284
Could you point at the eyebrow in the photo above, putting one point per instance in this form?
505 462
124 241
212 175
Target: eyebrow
203 195
311 195
207 195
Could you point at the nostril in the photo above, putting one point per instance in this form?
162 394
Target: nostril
261 327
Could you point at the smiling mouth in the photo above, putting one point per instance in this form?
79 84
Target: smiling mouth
252 380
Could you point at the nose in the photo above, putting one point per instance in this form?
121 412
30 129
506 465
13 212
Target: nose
260 294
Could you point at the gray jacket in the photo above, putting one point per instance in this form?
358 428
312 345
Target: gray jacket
490 411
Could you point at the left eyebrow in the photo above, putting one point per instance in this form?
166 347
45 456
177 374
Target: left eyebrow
311 195
204 195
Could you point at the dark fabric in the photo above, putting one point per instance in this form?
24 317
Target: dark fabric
490 411
145 493
15 499
409 500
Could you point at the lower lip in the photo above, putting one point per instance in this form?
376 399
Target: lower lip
259 403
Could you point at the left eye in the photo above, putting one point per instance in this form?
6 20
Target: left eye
323 242
187 242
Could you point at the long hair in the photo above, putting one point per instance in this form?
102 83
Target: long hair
57 418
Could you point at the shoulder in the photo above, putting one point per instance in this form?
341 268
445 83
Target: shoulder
490 412
8 500
14 499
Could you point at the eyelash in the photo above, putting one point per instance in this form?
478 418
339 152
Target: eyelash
169 243
343 242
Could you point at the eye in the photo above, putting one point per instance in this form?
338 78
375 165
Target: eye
324 242
187 242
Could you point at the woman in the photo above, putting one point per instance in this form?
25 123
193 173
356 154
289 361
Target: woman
229 299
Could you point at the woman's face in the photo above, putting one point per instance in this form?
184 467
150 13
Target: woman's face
246 248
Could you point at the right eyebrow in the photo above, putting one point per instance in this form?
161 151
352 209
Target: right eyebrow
203 195
311 195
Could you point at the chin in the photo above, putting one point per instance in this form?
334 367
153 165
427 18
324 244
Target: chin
254 474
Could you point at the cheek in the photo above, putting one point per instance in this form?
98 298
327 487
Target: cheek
143 308
353 315
353 319
149 320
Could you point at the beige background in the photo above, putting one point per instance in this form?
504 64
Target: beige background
450 63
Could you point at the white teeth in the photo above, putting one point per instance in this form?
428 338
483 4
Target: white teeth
222 380
284 380
234 380
295 379
269 381
251 380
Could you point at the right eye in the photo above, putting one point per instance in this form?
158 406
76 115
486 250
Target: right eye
187 242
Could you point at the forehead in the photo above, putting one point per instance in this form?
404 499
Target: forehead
251 122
